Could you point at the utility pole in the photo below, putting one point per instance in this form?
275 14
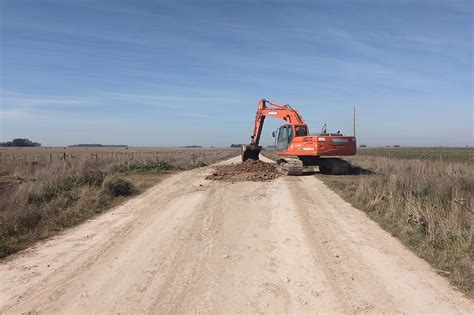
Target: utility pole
354 121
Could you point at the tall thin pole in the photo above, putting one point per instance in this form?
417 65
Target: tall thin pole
354 121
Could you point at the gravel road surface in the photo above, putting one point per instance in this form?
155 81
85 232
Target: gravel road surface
193 245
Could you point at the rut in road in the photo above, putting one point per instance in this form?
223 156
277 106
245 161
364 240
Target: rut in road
193 245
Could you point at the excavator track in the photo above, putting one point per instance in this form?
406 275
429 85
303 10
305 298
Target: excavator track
290 166
333 166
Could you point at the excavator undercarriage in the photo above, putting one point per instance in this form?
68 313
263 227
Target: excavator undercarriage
295 166
290 166
327 165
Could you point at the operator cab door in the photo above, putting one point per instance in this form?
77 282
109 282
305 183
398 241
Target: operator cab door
284 137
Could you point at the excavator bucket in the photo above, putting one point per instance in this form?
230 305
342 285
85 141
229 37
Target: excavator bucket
250 152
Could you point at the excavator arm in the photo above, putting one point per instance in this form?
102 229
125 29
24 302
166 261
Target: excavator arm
267 108
283 112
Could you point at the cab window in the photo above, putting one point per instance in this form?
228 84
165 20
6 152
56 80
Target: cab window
290 133
282 138
301 131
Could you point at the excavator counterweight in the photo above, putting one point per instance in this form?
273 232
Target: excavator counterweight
295 146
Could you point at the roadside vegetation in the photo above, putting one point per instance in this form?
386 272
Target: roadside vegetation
424 197
426 202
43 191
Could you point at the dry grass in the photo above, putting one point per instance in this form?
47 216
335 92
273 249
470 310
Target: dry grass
43 190
428 204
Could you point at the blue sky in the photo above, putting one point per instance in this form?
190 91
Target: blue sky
164 73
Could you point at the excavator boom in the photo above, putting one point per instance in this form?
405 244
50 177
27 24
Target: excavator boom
283 112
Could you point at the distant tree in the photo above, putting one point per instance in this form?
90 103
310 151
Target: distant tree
396 145
233 145
363 146
19 142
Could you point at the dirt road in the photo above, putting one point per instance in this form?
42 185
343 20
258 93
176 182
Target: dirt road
192 245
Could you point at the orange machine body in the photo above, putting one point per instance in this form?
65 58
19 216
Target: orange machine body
320 145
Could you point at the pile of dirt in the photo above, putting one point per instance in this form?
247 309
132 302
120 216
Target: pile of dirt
250 170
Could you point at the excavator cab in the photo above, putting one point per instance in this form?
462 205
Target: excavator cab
284 136
286 133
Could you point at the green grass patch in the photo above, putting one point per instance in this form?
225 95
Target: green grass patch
48 193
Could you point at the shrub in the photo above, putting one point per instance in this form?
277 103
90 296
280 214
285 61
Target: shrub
50 192
93 177
119 187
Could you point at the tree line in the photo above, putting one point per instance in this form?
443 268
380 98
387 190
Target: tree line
19 142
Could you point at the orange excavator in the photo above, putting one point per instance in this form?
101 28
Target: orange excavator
295 146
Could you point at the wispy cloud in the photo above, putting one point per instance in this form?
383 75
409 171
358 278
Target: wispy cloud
13 114
19 100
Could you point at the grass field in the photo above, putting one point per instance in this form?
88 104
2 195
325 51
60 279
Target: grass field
423 196
462 155
44 190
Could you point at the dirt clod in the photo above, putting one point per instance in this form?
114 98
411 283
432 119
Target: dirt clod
250 170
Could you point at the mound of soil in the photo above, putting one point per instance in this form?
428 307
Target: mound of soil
250 170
